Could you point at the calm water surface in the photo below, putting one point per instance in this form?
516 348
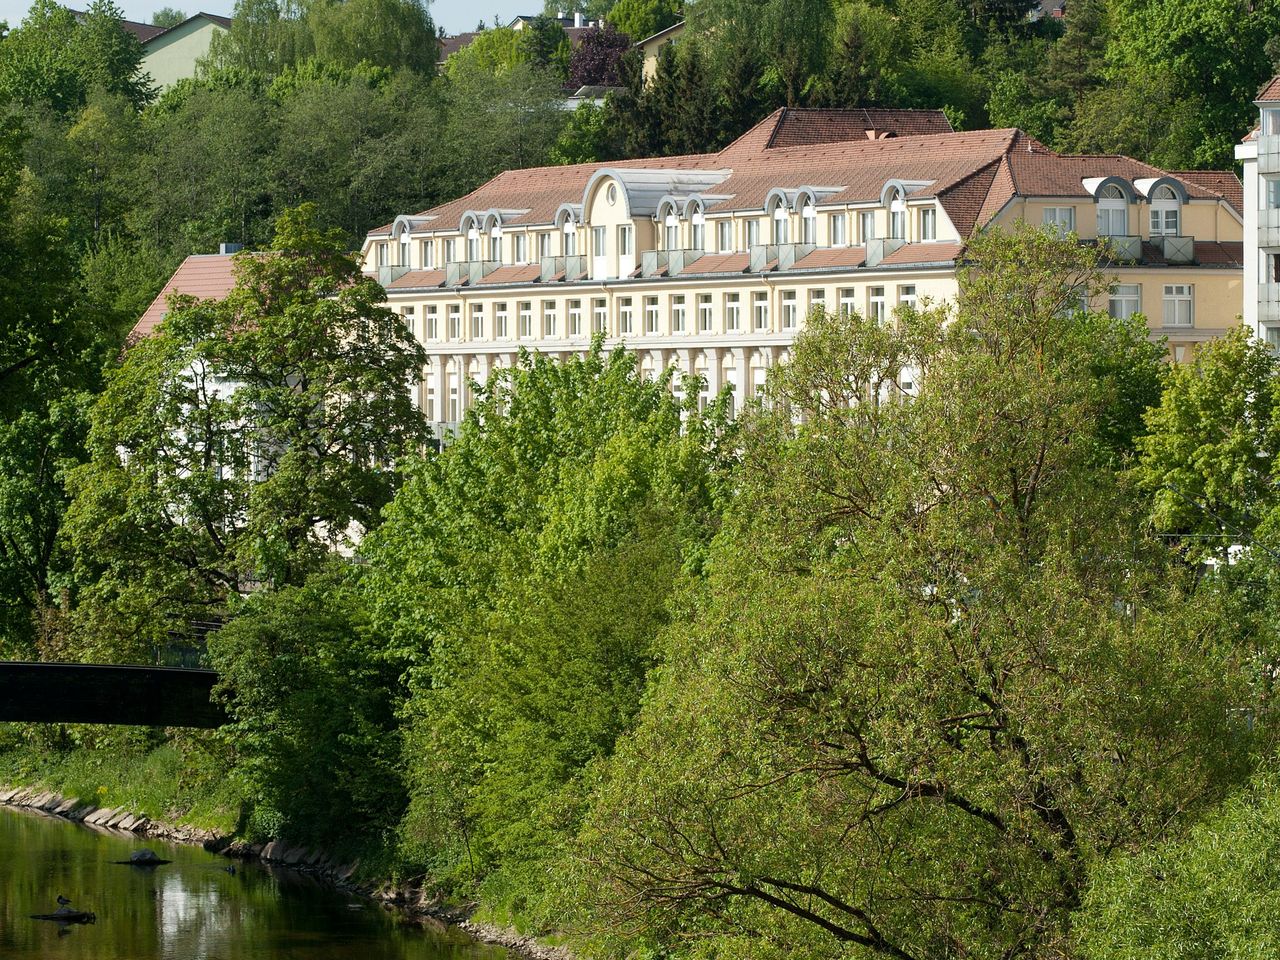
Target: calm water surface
190 909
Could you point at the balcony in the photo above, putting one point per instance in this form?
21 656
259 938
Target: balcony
1269 154
674 262
389 275
877 250
1269 303
1269 228
786 255
1176 249
1123 248
553 267
468 271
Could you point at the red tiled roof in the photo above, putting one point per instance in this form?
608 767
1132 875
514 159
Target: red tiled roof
799 127
1222 253
1222 182
1270 90
418 278
924 253
516 273
719 263
208 277
143 31
451 45
833 257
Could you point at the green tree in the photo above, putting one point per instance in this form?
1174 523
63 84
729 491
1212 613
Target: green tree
167 17
931 673
523 574
1205 896
396 34
241 444
641 19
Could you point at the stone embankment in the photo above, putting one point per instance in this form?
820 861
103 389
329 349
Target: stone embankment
412 898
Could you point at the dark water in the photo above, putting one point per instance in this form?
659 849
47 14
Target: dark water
188 910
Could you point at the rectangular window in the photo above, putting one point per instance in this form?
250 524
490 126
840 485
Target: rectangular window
382 254
848 301
781 226
928 223
499 319
789 310
907 295
699 230
898 224
1125 300
732 312
409 321
544 245
650 314
760 311
455 322
548 318
866 226
495 247
1271 122
597 241
1272 335
672 234
477 321
570 242
575 318
450 251
1060 220
626 317
600 316
626 240
817 300
1273 193
1164 221
705 315
1178 306
677 313
521 249
808 226
753 233
473 247
429 403
427 250
724 230
525 310
432 331
1113 221
875 304
404 251
839 229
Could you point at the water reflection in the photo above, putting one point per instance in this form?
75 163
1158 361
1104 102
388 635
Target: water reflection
189 910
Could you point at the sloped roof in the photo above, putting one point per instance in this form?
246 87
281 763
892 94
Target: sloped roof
1270 90
205 276
1225 183
798 127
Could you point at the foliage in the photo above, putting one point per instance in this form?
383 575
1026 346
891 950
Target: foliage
240 444
907 712
313 714
1208 895
523 574
641 19
598 58
167 17
55 59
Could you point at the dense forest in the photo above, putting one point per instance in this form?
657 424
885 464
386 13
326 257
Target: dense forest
986 672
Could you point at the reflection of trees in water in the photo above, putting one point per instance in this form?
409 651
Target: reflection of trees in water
191 908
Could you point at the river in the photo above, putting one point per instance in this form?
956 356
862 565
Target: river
191 909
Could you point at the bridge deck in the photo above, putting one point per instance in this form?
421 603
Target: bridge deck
92 693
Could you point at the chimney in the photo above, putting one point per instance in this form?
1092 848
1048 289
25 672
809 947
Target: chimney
226 248
577 19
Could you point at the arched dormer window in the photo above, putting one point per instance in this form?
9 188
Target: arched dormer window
697 226
1113 212
808 223
473 244
567 219
897 214
781 219
495 242
1166 210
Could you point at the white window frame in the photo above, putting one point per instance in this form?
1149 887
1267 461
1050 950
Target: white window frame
866 226
877 305
760 311
679 313
839 230
549 321
524 310
1060 221
652 319
1179 305
1124 300
500 320
626 317
732 312
790 310
724 236
706 313
928 224
575 318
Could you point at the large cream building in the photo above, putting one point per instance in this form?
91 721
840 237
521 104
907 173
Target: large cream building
710 263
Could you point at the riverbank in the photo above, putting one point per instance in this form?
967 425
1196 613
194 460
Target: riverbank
412 899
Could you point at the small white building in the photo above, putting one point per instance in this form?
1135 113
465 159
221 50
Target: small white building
1260 155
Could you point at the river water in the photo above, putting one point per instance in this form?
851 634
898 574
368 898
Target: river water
191 909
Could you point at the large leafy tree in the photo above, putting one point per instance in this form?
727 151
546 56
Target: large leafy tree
937 666
241 444
522 576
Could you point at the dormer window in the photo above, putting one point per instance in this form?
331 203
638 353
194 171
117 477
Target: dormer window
1113 212
382 254
928 223
753 233
1165 211
570 238
781 224
473 244
671 232
725 240
839 229
495 243
808 224
698 230
521 248
897 215
404 249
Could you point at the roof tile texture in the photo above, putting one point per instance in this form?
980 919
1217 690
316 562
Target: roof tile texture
207 277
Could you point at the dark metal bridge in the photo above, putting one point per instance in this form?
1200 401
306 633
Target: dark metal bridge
90 693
